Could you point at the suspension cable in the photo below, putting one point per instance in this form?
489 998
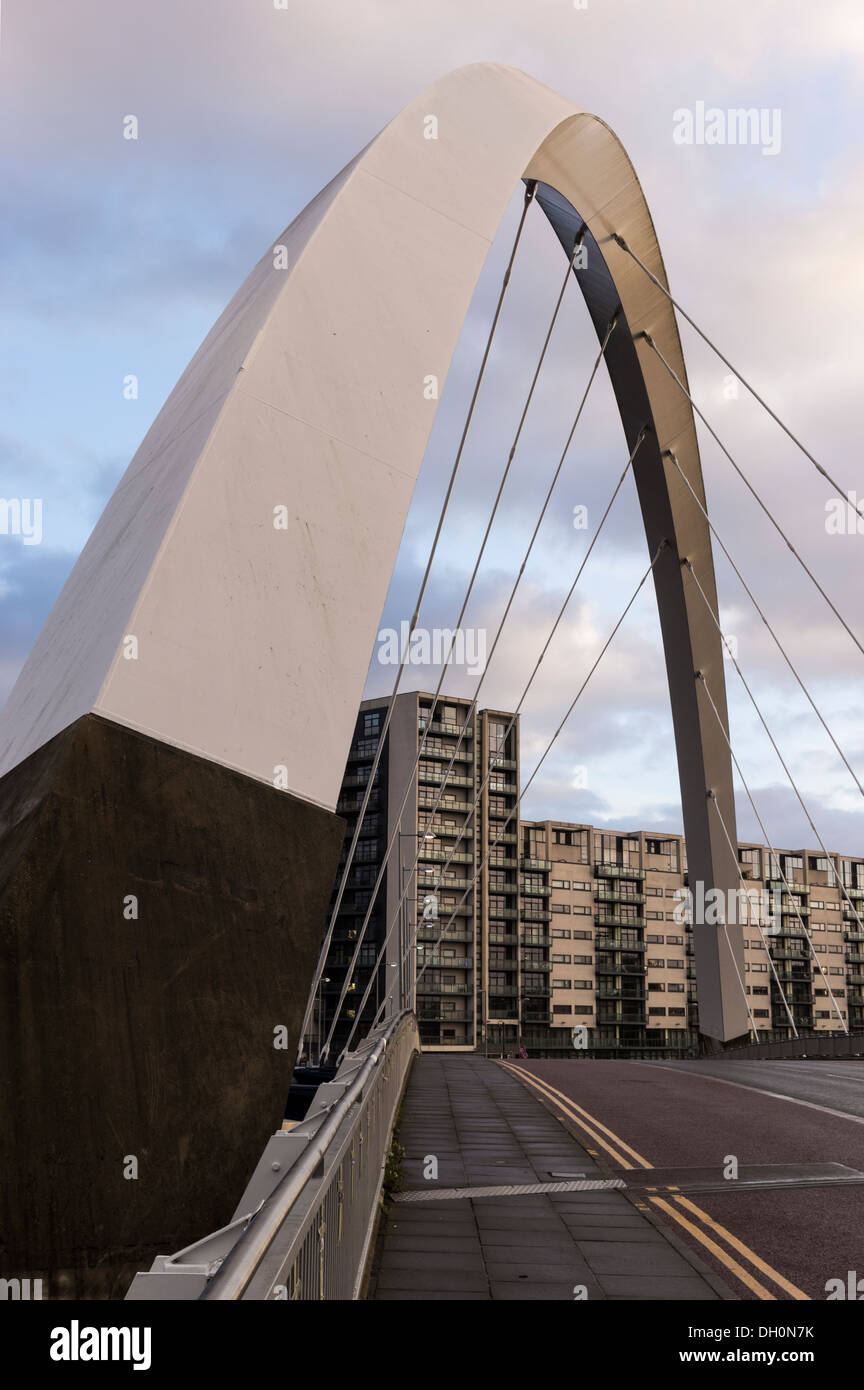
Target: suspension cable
465 601
429 823
771 738
744 382
712 797
669 454
775 858
742 475
521 795
524 695
530 191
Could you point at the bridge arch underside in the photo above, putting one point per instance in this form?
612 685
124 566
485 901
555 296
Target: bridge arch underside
650 402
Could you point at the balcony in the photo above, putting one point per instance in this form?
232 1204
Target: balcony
534 890
601 968
497 764
534 939
437 727
436 1014
853 936
355 781
614 942
535 991
507 914
614 893
777 885
443 962
536 914
540 866
445 803
615 919
446 911
617 871
433 933
855 957
534 965
502 938
424 988
429 879
444 856
433 776
604 992
507 991
441 750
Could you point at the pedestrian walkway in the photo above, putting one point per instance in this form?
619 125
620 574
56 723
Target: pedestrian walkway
480 1128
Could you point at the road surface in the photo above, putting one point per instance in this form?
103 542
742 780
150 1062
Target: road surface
765 1244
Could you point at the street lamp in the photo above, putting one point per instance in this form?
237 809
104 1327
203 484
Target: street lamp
325 980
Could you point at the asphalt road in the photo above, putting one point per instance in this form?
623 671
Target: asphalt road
765 1244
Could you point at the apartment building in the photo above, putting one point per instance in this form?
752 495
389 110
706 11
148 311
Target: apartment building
558 936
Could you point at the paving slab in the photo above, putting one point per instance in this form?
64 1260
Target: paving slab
486 1130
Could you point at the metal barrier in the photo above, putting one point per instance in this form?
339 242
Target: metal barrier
304 1233
817 1045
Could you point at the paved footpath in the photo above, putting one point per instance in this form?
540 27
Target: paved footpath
486 1130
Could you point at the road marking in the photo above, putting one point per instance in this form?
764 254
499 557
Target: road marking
542 1090
731 1264
552 1091
759 1091
726 1260
744 1250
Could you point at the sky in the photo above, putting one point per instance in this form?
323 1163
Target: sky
118 255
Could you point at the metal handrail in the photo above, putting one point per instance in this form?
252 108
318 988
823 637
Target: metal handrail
240 1264
245 1257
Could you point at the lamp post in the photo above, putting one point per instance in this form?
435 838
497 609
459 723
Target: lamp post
325 980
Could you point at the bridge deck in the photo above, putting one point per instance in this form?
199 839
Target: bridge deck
487 1131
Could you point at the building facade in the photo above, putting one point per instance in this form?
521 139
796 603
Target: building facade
560 937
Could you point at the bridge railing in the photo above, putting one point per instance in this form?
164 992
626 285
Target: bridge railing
817 1045
305 1222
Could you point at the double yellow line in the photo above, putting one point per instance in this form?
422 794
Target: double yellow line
627 1157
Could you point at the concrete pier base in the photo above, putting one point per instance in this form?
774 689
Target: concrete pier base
160 918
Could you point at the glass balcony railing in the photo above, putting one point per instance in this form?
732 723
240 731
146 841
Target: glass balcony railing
602 870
